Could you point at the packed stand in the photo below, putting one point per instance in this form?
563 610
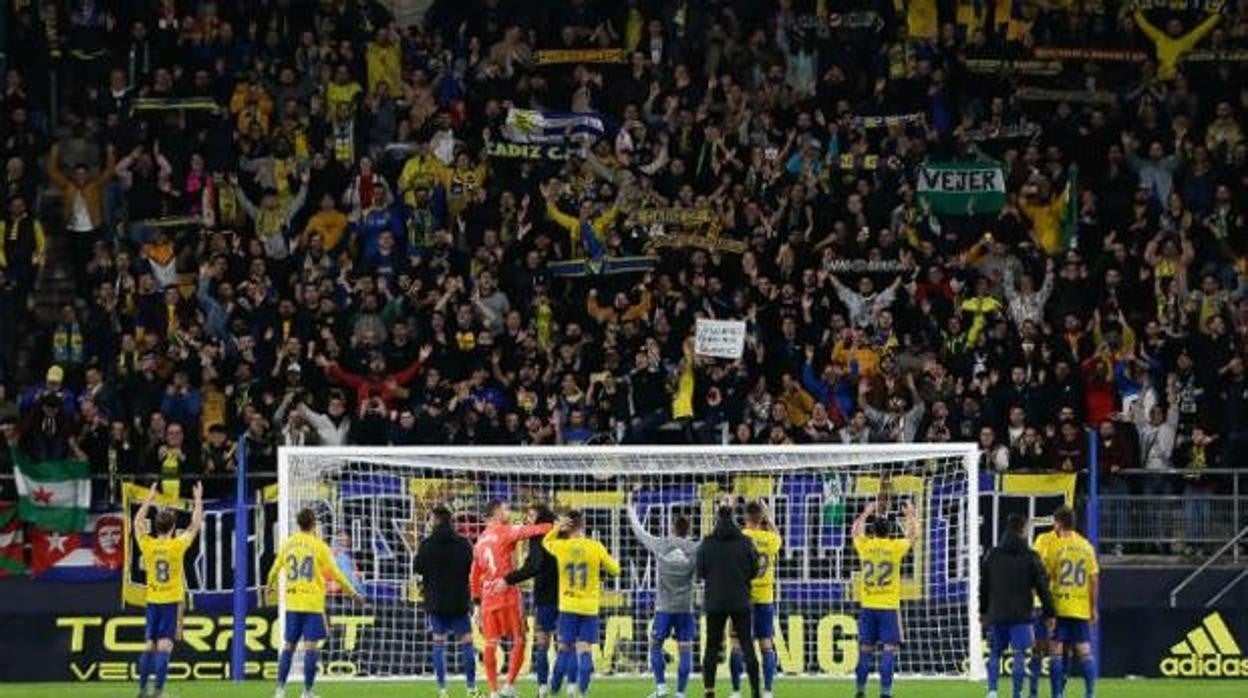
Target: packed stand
301 223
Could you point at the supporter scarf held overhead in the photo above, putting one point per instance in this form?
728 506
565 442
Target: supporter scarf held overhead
962 188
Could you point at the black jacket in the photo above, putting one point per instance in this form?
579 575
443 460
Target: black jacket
727 561
444 562
541 567
1010 574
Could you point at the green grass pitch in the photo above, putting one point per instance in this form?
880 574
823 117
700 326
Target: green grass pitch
632 688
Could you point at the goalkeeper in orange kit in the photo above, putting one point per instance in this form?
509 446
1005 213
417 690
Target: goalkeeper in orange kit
501 613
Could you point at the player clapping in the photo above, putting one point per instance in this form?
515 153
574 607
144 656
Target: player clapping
162 564
501 613
581 563
675 558
879 592
303 563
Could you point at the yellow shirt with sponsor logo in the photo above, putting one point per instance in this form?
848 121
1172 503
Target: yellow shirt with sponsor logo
162 562
768 544
304 561
879 584
1041 546
1070 563
581 564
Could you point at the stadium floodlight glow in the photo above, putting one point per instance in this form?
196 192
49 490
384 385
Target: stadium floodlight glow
372 503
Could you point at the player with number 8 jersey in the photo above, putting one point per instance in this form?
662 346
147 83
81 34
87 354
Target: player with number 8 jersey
162 556
581 563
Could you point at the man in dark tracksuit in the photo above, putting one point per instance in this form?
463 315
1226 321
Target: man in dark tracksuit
540 566
444 562
727 561
1011 574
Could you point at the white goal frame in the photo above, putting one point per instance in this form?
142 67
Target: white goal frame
539 460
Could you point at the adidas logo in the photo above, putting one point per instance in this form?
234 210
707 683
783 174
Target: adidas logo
1209 650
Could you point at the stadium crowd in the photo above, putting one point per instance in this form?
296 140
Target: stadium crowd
296 222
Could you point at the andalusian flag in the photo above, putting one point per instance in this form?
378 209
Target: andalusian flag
53 494
12 541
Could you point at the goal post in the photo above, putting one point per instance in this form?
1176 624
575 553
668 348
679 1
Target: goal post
372 504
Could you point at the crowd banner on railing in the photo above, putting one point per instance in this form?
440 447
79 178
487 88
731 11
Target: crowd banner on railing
52 494
579 55
12 541
962 188
209 562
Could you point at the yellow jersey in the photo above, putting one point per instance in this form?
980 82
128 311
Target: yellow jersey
162 562
879 584
1070 563
768 544
581 564
305 561
1041 546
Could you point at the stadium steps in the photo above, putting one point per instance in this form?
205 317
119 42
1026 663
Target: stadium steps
54 287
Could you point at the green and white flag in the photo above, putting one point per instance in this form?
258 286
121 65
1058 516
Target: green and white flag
53 494
962 188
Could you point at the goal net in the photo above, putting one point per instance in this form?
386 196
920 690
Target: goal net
373 504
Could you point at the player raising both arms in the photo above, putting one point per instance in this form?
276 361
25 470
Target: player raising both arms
541 567
676 559
1071 565
879 592
304 562
760 529
501 614
162 564
581 564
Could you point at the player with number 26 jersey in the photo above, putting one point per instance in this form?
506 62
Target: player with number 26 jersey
1070 563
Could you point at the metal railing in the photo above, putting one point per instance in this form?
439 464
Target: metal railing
1159 508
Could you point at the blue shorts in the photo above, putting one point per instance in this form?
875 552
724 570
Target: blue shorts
546 618
879 627
1016 635
678 625
456 626
1072 631
305 626
1039 630
162 621
763 618
574 628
